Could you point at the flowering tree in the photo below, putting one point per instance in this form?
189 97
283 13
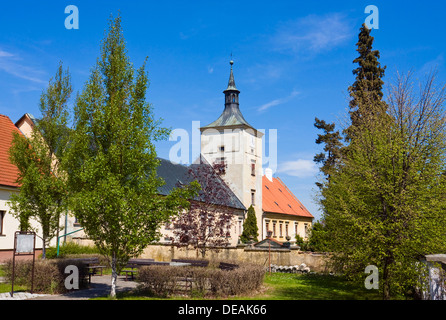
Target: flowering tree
206 225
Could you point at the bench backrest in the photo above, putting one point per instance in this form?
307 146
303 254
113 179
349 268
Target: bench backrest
197 263
227 266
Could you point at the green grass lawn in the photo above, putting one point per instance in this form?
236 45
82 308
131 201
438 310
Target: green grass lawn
287 286
279 286
6 287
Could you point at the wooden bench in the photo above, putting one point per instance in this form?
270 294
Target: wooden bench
227 266
194 263
92 265
133 264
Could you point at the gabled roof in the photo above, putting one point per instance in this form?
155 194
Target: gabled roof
277 198
27 116
176 174
267 242
8 171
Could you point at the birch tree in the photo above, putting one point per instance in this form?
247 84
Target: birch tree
42 193
111 160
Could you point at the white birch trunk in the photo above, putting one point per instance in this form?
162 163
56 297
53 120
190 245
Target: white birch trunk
113 279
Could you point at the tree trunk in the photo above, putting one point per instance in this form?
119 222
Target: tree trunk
386 282
43 248
114 277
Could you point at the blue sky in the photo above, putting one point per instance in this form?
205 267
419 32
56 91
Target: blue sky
293 60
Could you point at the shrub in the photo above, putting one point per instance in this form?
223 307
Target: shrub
49 275
159 280
70 248
166 280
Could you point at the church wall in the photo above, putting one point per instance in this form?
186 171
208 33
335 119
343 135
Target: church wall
240 148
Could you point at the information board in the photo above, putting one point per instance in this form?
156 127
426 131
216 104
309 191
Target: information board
25 243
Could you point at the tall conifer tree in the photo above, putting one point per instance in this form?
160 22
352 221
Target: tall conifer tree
250 228
366 104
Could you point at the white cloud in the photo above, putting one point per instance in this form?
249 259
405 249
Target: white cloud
5 54
433 64
301 168
11 63
278 101
313 33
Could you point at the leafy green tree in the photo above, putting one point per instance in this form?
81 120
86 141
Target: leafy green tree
42 193
318 239
111 161
250 228
301 242
385 205
384 202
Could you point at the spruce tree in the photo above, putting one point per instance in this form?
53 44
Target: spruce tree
250 227
366 104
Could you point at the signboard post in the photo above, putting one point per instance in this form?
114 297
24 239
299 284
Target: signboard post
24 245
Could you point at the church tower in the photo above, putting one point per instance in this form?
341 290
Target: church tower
232 140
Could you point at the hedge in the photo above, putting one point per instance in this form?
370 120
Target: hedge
49 274
192 281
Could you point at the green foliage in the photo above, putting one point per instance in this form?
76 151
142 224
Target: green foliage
111 159
303 245
318 239
250 228
49 274
366 104
332 149
384 203
70 248
42 193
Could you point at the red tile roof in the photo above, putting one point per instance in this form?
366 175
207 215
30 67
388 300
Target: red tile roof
8 171
277 198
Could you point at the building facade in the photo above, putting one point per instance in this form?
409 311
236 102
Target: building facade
232 140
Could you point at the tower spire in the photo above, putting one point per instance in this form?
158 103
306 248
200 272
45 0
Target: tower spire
231 82
231 115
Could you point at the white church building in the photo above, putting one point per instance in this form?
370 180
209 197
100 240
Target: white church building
230 140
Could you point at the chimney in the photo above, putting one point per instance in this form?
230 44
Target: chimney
269 174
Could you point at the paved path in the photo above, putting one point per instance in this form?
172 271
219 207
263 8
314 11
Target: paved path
99 287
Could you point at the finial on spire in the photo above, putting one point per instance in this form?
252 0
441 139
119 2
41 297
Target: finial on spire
231 83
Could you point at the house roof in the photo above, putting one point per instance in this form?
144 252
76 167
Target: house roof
27 116
8 171
277 198
176 174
